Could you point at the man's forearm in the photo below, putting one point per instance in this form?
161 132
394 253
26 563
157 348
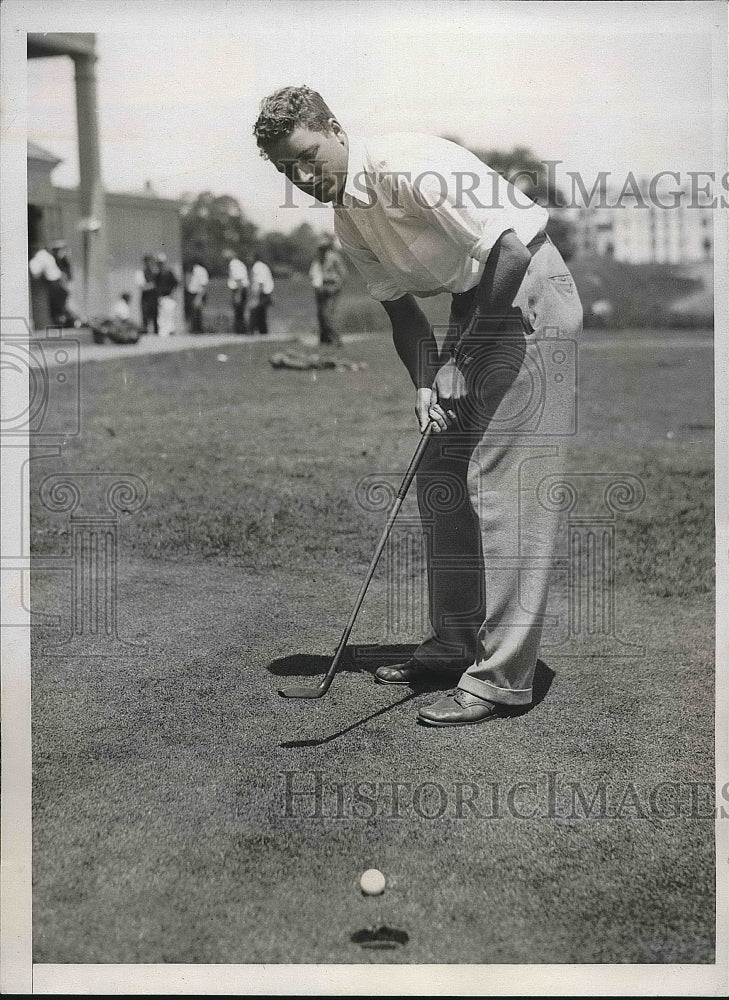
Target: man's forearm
502 277
414 340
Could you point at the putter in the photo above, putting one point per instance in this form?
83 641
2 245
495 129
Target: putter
318 691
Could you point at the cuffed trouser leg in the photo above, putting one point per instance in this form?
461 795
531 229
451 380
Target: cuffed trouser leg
491 545
518 540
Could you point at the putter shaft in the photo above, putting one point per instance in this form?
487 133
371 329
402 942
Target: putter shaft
297 691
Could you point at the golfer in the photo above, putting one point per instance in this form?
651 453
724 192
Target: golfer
420 216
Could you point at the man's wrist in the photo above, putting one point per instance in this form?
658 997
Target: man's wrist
461 354
424 383
478 328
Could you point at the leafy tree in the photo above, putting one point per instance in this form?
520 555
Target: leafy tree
213 223
289 252
302 247
210 224
276 250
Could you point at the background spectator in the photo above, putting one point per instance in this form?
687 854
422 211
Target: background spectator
327 274
166 283
121 309
196 285
43 265
261 295
146 280
238 284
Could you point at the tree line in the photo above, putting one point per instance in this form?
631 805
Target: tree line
213 223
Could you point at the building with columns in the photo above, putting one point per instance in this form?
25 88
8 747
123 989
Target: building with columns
107 232
81 48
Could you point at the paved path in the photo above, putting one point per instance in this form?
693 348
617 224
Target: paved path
151 344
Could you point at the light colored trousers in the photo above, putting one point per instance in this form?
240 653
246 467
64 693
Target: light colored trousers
490 537
167 316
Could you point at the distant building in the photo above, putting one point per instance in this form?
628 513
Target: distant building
635 229
135 224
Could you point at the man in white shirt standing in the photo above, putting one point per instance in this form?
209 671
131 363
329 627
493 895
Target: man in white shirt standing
327 274
196 286
166 282
419 216
238 284
261 295
43 265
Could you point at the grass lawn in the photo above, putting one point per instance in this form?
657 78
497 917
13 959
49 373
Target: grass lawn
183 812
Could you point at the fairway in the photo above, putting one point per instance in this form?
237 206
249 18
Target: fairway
184 812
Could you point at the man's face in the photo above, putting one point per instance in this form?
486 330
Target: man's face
315 162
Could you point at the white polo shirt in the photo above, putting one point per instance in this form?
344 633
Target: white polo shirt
44 265
197 279
261 278
421 214
237 274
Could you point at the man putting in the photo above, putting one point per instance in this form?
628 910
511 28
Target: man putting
419 216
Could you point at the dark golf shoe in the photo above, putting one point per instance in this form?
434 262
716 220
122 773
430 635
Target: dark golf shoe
412 672
459 708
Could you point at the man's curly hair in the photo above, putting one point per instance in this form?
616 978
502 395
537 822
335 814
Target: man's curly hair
288 109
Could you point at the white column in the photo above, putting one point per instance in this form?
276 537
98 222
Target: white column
91 192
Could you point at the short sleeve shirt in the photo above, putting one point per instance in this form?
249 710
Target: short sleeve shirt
420 214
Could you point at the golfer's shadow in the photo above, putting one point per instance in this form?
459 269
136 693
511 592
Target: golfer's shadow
365 658
358 658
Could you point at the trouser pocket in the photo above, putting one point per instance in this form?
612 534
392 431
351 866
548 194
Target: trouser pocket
563 284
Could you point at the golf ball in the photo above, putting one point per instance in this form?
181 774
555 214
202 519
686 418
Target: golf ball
372 882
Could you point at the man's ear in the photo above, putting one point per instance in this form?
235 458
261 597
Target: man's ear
338 131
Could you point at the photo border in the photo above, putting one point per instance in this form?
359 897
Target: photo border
18 973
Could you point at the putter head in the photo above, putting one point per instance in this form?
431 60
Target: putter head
296 691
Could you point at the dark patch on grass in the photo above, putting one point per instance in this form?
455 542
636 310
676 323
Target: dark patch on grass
380 937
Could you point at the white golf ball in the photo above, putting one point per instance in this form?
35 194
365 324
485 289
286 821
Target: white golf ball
372 882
